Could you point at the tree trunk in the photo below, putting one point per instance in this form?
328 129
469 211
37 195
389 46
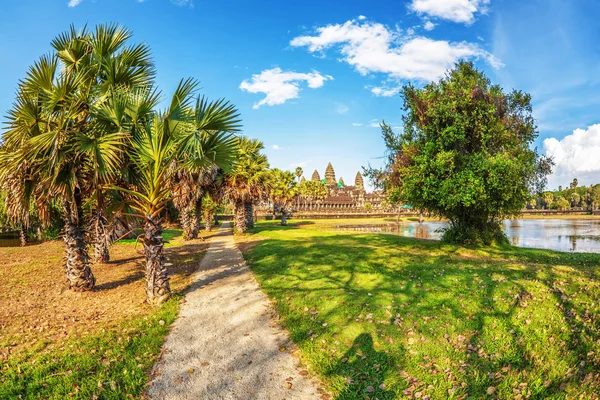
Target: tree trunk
157 280
23 236
185 219
240 219
249 214
77 261
196 218
208 220
283 217
101 254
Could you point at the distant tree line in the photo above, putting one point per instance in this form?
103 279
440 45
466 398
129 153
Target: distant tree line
573 197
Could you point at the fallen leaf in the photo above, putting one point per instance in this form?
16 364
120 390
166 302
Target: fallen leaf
491 390
204 363
370 389
191 371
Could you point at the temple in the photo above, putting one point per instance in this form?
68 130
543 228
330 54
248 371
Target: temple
342 197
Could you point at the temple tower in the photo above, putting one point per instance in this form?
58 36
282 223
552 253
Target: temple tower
358 182
341 182
315 176
330 175
302 179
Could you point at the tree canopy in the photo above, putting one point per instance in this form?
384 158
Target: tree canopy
464 154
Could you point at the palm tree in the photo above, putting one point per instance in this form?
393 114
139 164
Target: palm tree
52 128
169 138
208 117
298 172
246 182
282 191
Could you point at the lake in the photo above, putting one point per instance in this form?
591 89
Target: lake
581 235
11 239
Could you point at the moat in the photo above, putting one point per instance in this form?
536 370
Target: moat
577 235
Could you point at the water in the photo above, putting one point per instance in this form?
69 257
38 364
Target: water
581 235
11 239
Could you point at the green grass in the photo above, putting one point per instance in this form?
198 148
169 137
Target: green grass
112 364
170 237
382 316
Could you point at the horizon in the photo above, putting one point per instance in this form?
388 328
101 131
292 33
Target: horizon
314 87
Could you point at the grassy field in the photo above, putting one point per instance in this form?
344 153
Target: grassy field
58 344
382 317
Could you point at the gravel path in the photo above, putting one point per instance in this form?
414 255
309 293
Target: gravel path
225 343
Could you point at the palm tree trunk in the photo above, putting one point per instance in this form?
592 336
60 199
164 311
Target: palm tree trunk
196 218
157 281
283 217
185 219
209 220
101 253
240 219
23 236
249 214
77 260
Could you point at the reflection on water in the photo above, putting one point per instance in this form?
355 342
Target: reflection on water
554 234
11 239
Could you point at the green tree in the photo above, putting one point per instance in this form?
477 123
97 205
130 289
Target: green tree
282 191
246 182
574 184
465 154
168 138
298 172
54 142
561 203
311 191
575 199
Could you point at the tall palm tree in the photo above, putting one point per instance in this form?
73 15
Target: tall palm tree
298 172
169 138
208 117
52 127
246 182
282 191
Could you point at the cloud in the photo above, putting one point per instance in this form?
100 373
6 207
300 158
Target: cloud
276 147
357 124
374 123
182 3
383 91
301 164
575 156
280 86
428 26
341 108
74 3
461 11
374 48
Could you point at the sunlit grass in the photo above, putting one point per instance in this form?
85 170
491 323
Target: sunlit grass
391 317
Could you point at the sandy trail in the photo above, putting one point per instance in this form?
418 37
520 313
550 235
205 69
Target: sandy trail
225 344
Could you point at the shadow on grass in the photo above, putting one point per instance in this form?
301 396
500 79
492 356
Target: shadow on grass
471 318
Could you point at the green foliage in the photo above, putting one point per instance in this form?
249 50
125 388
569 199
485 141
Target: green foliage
281 188
247 179
312 190
465 154
379 316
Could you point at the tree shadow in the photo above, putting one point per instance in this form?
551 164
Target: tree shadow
446 302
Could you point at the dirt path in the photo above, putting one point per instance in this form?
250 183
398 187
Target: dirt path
225 344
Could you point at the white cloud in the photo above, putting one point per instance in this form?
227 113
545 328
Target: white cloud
462 11
428 26
181 3
575 156
280 86
301 164
361 17
276 147
74 3
341 108
385 91
357 124
374 123
374 48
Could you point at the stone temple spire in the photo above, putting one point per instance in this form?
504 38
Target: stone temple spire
358 182
302 179
342 181
316 177
330 175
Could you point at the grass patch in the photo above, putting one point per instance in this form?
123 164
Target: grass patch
112 364
55 343
383 316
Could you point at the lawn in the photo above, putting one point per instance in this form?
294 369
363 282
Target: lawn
380 316
59 344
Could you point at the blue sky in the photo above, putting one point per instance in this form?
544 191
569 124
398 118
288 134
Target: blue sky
313 79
